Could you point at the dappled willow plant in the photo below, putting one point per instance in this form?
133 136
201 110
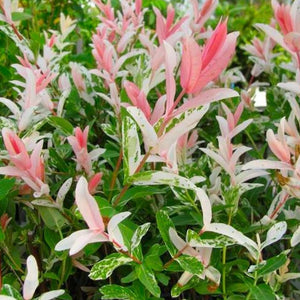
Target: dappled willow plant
123 138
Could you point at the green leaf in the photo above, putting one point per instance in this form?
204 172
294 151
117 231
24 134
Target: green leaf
104 268
61 124
190 264
20 16
9 290
105 207
138 235
262 291
270 265
52 217
236 297
218 241
5 186
139 192
164 223
131 146
152 258
51 237
178 289
147 278
114 291
58 161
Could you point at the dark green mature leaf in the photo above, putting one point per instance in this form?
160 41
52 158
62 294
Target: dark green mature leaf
147 278
271 264
114 291
190 264
104 268
52 218
139 192
5 186
21 16
61 124
164 223
262 291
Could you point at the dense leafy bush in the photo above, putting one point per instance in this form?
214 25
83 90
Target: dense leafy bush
137 162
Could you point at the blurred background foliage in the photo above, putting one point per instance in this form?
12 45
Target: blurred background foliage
40 16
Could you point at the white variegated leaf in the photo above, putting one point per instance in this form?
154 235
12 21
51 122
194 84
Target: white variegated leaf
63 192
296 238
274 234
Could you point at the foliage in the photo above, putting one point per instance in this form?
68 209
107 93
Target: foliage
136 162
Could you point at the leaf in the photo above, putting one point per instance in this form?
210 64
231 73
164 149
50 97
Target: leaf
51 295
5 186
44 203
114 291
61 124
131 146
190 264
274 234
147 278
240 238
270 265
9 290
63 192
164 223
139 192
149 134
219 241
52 217
262 291
104 268
295 240
160 177
20 16
51 237
138 235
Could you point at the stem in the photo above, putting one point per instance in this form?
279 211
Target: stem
224 272
179 252
178 99
115 174
253 144
126 187
224 262
169 114
278 207
0 270
174 257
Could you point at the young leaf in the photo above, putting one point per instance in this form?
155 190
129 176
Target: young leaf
131 146
147 278
104 268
